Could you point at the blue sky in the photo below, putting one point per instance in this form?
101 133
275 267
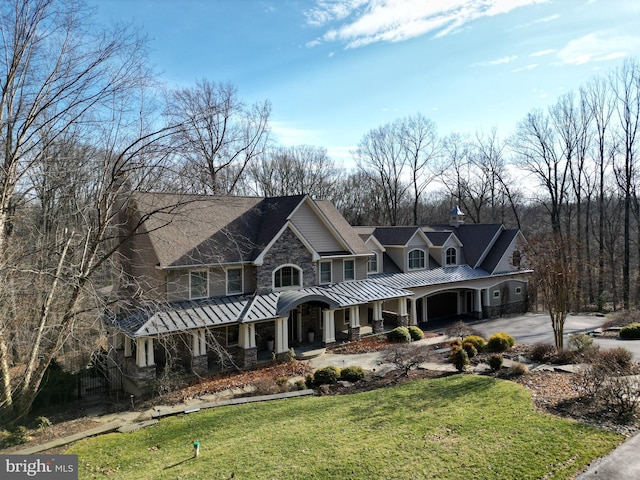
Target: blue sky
335 69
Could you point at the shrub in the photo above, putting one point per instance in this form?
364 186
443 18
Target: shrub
477 342
518 369
564 357
300 384
416 333
631 331
581 342
326 375
352 374
455 344
460 329
399 335
500 342
407 357
42 423
460 359
282 381
495 362
542 352
308 380
470 349
615 360
17 436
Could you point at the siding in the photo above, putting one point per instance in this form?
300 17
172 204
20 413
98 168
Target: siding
314 231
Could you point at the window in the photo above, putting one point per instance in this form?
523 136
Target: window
325 272
372 264
234 281
287 276
518 290
516 258
450 256
496 294
349 270
347 317
416 260
198 284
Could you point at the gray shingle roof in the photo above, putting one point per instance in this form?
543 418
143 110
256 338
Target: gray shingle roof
498 250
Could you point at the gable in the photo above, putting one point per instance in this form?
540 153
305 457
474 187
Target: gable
311 227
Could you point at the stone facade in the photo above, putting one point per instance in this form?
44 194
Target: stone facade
247 357
354 334
378 326
287 250
200 365
501 310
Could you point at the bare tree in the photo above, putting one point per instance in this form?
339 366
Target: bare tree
382 159
299 170
65 81
422 148
554 278
625 83
219 136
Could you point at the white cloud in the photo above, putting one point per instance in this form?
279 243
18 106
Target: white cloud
525 68
597 47
541 53
361 22
498 61
289 135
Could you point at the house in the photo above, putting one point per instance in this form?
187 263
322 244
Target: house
203 279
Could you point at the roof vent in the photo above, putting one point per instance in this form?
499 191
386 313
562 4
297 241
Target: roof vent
457 217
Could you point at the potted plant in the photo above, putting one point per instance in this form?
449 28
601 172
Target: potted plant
311 333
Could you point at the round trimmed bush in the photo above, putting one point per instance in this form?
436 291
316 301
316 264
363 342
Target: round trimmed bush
352 374
631 331
399 335
495 362
500 342
477 342
470 348
581 342
460 359
326 375
416 333
542 352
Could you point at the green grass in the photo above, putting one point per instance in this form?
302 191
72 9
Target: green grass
462 426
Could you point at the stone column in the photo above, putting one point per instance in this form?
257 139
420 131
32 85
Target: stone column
354 324
329 329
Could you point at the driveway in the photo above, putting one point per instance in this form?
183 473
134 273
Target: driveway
532 328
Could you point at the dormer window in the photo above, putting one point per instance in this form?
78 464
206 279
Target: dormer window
287 276
349 270
416 260
198 284
372 264
234 281
451 256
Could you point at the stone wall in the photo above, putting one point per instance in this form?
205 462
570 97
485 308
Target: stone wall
288 249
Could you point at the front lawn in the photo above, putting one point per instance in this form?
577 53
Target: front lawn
462 426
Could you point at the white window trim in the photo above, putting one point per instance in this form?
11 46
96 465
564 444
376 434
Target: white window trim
241 280
291 287
344 269
496 294
518 290
455 250
424 258
325 262
191 297
375 255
